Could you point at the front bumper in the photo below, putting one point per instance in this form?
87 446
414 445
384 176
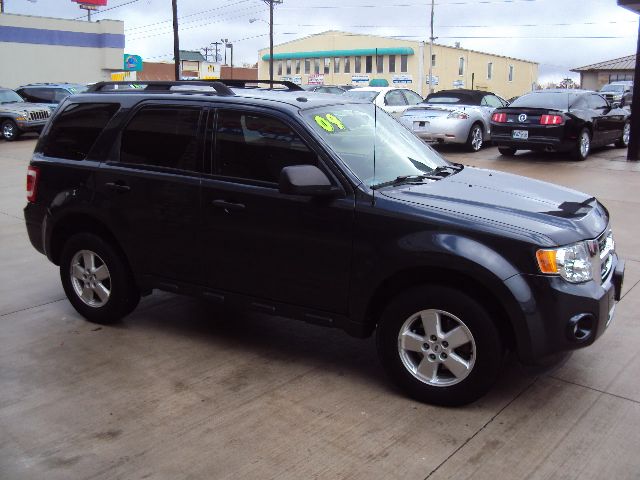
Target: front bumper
560 316
31 126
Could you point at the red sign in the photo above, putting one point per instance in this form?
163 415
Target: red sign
97 3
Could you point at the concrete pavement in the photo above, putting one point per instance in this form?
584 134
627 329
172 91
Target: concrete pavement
181 390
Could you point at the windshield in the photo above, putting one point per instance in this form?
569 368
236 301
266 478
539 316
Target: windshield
446 99
78 89
612 88
552 100
358 132
9 96
367 95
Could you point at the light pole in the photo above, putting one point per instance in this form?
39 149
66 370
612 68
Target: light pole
230 45
176 40
431 39
271 3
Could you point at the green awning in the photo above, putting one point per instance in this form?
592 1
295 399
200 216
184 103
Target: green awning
340 53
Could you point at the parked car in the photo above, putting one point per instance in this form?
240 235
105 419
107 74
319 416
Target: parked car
392 100
560 120
454 116
336 90
18 117
616 91
50 93
333 213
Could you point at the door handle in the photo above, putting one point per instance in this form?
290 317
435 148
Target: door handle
118 186
227 205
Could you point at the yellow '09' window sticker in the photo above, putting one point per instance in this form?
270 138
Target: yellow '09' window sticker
329 122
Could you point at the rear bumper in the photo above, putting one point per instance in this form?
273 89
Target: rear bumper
441 130
533 143
34 215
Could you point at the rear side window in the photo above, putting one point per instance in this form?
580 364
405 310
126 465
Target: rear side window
75 130
163 137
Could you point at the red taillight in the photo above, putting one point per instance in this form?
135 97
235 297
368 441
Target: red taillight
33 173
551 120
499 117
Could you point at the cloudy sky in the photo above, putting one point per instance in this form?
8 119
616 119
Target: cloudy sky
559 34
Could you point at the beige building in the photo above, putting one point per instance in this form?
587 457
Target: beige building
40 49
593 77
341 58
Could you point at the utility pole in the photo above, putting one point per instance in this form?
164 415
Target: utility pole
215 44
431 39
206 53
270 3
176 40
224 42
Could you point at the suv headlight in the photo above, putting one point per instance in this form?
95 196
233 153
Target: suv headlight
573 262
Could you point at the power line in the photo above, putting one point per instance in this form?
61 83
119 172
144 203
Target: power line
403 5
460 26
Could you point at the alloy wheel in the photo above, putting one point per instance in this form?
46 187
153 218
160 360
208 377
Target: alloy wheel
626 133
476 138
90 278
585 144
8 130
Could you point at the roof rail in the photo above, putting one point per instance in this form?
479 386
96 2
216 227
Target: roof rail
248 83
220 86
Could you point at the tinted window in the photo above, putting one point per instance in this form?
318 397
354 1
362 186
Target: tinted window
556 100
580 104
163 137
60 94
395 99
76 129
596 102
492 101
368 64
257 147
43 95
412 97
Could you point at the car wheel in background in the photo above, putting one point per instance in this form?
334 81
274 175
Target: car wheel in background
623 141
507 151
10 130
583 145
439 345
475 138
97 279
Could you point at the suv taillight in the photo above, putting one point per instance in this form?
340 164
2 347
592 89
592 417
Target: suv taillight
551 120
499 117
33 173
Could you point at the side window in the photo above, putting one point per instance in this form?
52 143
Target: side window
596 102
163 137
37 95
75 130
492 101
60 94
580 104
256 147
394 98
412 97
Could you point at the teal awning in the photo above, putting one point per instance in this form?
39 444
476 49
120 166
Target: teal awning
340 53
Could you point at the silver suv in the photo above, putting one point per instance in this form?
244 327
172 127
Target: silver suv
616 91
18 116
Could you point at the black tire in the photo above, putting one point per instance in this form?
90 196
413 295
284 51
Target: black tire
623 141
578 153
123 295
487 355
10 130
507 151
474 143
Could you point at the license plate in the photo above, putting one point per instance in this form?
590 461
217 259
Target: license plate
520 134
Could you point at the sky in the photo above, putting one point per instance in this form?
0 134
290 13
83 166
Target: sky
558 34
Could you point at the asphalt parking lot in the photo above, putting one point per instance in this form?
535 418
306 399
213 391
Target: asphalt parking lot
181 390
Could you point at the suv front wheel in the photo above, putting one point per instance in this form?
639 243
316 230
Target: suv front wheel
96 279
439 345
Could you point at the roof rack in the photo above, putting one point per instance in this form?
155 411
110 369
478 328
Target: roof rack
220 86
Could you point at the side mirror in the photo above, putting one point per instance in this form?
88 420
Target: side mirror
305 180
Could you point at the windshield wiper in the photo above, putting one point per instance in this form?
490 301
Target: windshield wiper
403 179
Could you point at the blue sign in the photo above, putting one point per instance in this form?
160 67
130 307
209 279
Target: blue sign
132 63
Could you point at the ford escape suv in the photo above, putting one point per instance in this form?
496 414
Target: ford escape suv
319 208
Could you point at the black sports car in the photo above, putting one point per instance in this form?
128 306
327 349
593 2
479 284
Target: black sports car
560 120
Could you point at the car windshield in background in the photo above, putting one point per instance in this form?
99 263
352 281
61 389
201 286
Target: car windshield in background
359 133
78 89
613 88
445 99
367 95
553 100
9 96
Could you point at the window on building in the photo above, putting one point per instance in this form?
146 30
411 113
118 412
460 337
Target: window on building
489 70
379 64
327 65
297 67
368 64
461 66
77 128
347 65
621 77
257 147
279 68
336 65
307 66
511 73
163 137
316 66
392 63
357 65
433 60
288 67
404 59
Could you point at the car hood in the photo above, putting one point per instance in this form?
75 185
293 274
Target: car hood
548 212
21 107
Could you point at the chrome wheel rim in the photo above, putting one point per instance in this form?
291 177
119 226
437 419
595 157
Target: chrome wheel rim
437 348
585 144
90 278
476 138
626 133
8 130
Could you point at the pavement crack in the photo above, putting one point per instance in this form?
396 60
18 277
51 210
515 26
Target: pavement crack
487 423
12 216
33 306
594 389
629 291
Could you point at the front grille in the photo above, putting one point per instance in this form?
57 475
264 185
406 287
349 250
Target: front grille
39 115
606 249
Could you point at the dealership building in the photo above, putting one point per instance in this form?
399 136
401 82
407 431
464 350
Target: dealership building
40 49
342 58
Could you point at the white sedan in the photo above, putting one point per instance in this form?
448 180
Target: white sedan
392 100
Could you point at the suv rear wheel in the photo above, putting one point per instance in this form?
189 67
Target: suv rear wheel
97 279
439 345
10 130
